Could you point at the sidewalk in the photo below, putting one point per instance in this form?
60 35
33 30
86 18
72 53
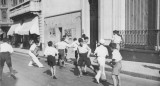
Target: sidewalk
136 69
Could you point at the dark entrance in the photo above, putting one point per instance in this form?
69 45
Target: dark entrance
93 23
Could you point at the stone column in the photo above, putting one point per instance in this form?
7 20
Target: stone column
85 17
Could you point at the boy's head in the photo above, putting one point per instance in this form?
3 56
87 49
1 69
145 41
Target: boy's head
50 43
84 35
86 39
80 40
75 39
115 32
113 45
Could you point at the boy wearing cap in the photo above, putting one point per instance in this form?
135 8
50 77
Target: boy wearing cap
117 65
101 52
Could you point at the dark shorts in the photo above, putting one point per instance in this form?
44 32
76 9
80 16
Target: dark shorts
5 57
61 54
51 60
117 68
83 60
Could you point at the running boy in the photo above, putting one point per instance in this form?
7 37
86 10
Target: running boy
84 53
101 52
116 61
75 45
50 52
5 56
61 46
33 56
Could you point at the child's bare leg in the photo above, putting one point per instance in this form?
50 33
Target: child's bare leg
114 80
51 71
118 80
80 71
54 70
1 71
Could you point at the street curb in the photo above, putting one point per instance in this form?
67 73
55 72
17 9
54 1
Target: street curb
139 50
122 71
137 74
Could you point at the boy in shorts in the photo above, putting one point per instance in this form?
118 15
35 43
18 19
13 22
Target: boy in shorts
117 65
5 56
61 46
50 52
84 53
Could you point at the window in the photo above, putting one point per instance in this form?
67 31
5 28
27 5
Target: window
3 2
15 2
21 1
4 15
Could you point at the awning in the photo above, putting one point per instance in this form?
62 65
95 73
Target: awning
30 25
12 29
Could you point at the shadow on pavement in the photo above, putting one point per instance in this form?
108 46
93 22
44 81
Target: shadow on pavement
151 67
75 71
8 81
104 83
48 72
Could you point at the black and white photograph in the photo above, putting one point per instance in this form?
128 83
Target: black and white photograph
79 42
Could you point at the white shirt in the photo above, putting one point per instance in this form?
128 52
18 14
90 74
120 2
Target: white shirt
62 45
50 51
101 51
117 39
5 47
116 55
75 45
83 49
33 46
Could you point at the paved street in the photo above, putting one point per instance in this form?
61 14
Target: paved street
33 76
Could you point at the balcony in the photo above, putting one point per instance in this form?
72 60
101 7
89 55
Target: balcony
25 7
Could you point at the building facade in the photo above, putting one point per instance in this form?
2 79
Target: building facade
25 15
137 20
5 21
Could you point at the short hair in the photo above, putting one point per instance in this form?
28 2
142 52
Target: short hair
80 40
36 41
86 38
74 39
64 36
50 43
113 45
83 35
116 31
62 39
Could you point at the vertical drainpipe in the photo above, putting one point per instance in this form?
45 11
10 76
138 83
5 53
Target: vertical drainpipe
158 25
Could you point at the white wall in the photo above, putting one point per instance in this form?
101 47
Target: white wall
85 17
55 7
111 17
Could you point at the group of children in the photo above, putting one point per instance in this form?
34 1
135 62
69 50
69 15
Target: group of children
82 55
